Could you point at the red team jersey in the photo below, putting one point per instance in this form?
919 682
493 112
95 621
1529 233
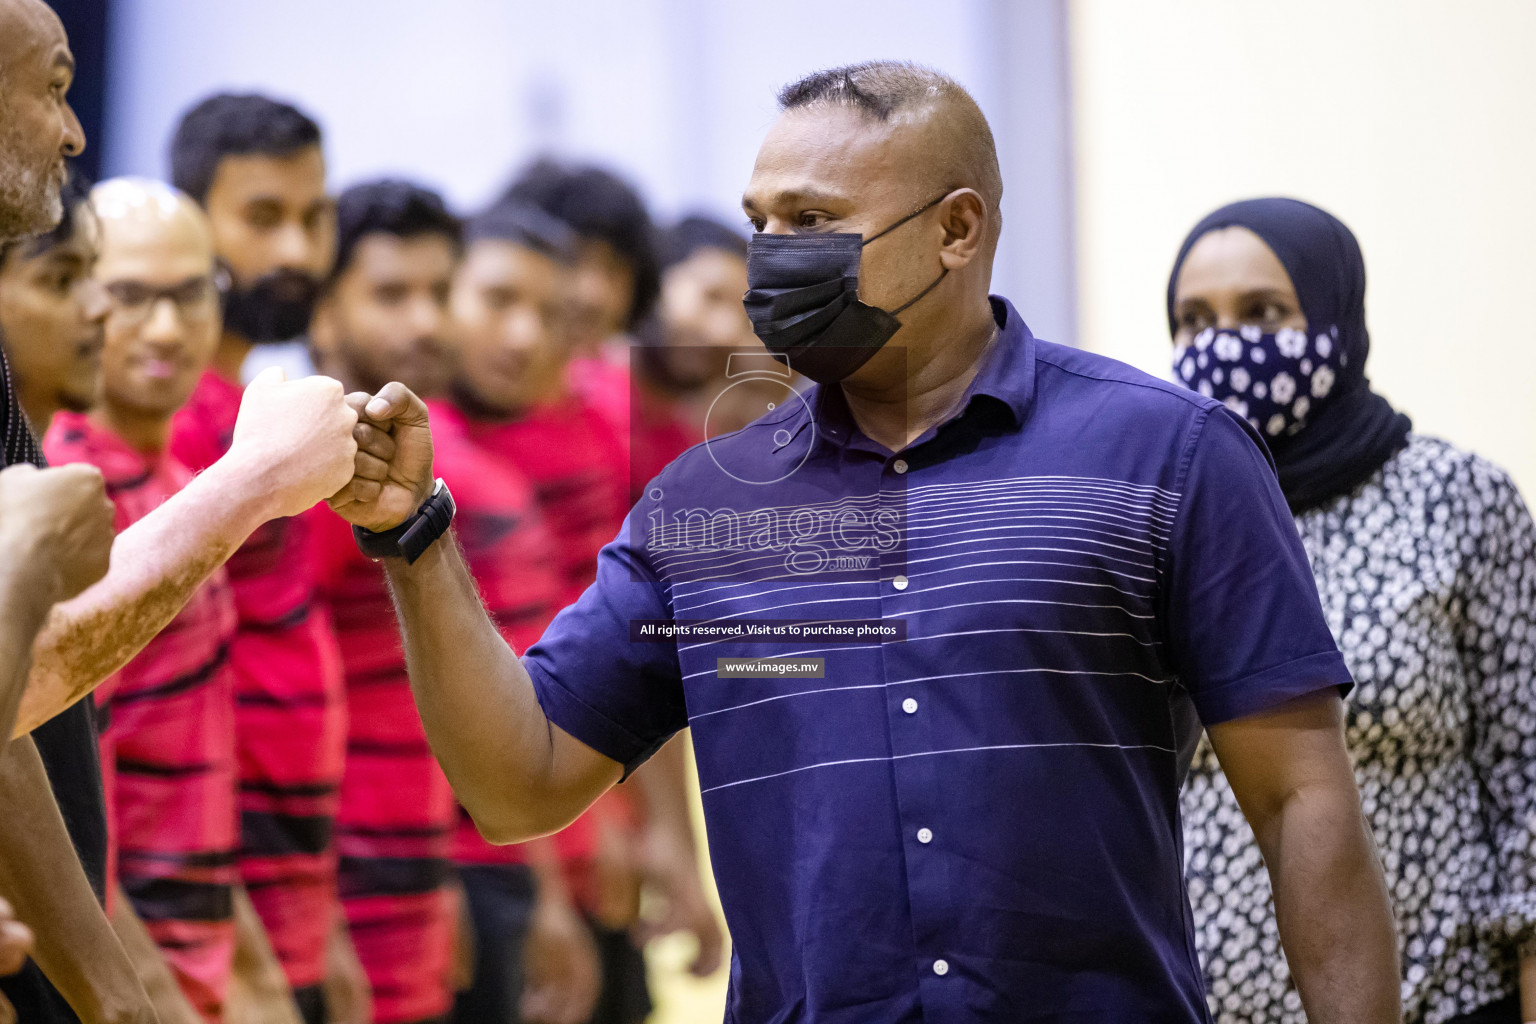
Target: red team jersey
602 382
395 825
579 467
656 428
167 723
290 710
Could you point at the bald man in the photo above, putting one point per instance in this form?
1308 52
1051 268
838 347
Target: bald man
945 627
38 130
168 714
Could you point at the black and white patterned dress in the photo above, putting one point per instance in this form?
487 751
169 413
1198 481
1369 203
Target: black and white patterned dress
1428 577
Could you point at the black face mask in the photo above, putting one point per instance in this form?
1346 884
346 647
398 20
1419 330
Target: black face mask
803 300
276 307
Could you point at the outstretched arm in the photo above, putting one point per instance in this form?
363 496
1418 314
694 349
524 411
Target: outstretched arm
518 775
24 607
157 563
292 449
1290 772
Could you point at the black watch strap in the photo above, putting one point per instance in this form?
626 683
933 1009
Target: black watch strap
416 534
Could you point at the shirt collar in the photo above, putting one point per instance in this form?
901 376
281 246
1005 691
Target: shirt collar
1005 379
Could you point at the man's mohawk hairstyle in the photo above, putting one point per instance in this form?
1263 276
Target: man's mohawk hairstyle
877 87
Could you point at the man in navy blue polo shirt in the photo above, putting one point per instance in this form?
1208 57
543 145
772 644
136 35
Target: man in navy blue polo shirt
945 628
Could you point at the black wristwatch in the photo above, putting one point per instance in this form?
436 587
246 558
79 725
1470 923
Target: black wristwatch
415 535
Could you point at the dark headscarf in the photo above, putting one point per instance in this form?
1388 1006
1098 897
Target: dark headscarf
1356 431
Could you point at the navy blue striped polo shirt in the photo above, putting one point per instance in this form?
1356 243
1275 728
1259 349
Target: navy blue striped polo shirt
940 777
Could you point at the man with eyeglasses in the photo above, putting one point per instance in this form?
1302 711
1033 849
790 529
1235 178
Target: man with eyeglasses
167 717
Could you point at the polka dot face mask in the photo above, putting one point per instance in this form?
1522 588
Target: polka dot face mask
1274 381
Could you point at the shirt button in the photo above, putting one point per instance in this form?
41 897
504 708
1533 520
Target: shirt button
900 465
900 583
909 706
941 967
925 835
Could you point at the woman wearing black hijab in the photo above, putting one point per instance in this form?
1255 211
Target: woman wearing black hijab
1425 558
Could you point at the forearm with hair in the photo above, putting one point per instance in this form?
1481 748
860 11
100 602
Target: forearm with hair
157 564
517 774
42 877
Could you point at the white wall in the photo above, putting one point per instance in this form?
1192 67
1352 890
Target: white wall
1414 122
678 93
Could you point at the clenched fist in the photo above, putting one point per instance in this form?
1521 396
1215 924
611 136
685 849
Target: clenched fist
56 526
394 460
295 437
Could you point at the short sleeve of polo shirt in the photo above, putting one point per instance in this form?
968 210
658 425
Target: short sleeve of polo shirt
621 697
1245 626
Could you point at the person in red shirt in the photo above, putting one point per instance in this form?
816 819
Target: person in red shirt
615 276
256 166
508 305
513 399
384 316
51 313
167 718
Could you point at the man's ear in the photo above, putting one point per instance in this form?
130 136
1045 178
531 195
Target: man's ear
964 216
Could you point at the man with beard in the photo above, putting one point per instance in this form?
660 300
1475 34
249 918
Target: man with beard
294 443
257 168
51 315
384 314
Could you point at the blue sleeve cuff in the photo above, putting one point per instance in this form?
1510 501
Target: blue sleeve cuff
1270 688
589 725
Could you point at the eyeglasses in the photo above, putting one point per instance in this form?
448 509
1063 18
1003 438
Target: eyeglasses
195 299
